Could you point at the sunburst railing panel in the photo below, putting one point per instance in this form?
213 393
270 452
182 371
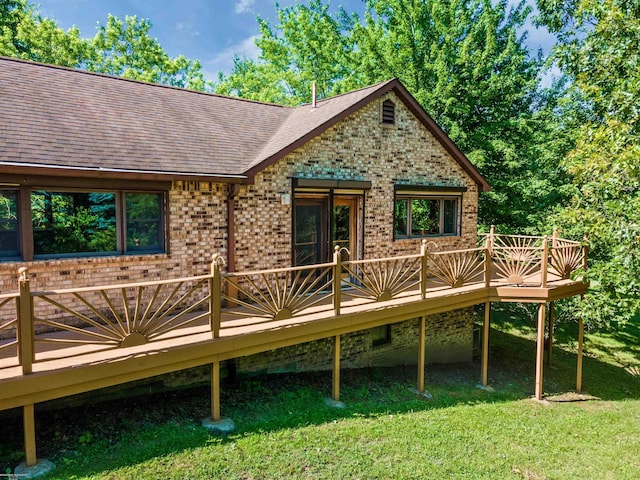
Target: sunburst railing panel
455 269
277 294
9 329
565 257
120 316
382 279
517 258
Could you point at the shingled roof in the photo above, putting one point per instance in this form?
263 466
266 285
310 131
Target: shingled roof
56 119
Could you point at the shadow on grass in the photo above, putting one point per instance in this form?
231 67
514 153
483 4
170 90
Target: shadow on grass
104 436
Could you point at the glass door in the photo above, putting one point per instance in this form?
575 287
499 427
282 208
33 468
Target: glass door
344 224
310 231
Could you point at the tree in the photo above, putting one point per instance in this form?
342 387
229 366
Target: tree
120 47
125 49
599 48
463 61
310 44
25 34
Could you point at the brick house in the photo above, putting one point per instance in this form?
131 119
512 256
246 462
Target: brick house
105 180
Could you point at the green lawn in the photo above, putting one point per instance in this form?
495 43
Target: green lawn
284 430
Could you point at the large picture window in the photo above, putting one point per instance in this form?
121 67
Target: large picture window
67 223
426 215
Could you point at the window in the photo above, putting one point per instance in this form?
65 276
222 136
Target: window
66 223
425 215
9 238
388 113
380 335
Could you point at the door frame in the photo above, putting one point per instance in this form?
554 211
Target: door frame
354 198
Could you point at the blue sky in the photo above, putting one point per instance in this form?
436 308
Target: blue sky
211 31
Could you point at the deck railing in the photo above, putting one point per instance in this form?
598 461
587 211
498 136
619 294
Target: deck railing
99 318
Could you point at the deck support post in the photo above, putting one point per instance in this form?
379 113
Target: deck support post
551 328
335 391
580 346
215 391
29 423
486 325
217 423
421 351
25 323
32 466
540 350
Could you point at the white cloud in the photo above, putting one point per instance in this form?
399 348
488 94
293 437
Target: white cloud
223 61
244 6
188 28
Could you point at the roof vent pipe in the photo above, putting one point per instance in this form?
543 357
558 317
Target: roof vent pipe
313 95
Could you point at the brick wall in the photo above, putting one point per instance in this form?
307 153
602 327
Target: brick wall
358 148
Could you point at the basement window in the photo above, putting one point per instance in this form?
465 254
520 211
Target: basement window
380 335
388 113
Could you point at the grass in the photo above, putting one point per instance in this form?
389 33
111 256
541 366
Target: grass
285 430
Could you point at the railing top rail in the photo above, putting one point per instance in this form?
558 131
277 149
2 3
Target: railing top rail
373 260
4 296
278 270
503 235
519 248
464 250
118 286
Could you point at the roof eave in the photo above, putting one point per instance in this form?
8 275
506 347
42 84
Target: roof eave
117 174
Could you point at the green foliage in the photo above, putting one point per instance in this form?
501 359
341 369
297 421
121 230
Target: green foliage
599 45
124 48
120 47
25 34
463 61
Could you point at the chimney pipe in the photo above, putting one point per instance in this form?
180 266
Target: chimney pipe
313 95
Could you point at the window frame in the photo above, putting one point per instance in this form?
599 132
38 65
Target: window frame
26 239
425 192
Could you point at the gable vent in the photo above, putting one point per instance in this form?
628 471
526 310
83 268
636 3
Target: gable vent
388 112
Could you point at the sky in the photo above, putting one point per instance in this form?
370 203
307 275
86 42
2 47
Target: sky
212 31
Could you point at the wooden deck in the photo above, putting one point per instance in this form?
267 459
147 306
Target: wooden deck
66 342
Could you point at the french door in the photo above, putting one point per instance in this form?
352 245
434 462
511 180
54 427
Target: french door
323 221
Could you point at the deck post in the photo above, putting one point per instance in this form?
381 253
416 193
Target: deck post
215 295
424 262
551 328
580 346
490 238
540 350
215 391
337 280
29 424
25 323
421 350
554 238
486 325
545 262
487 267
335 394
